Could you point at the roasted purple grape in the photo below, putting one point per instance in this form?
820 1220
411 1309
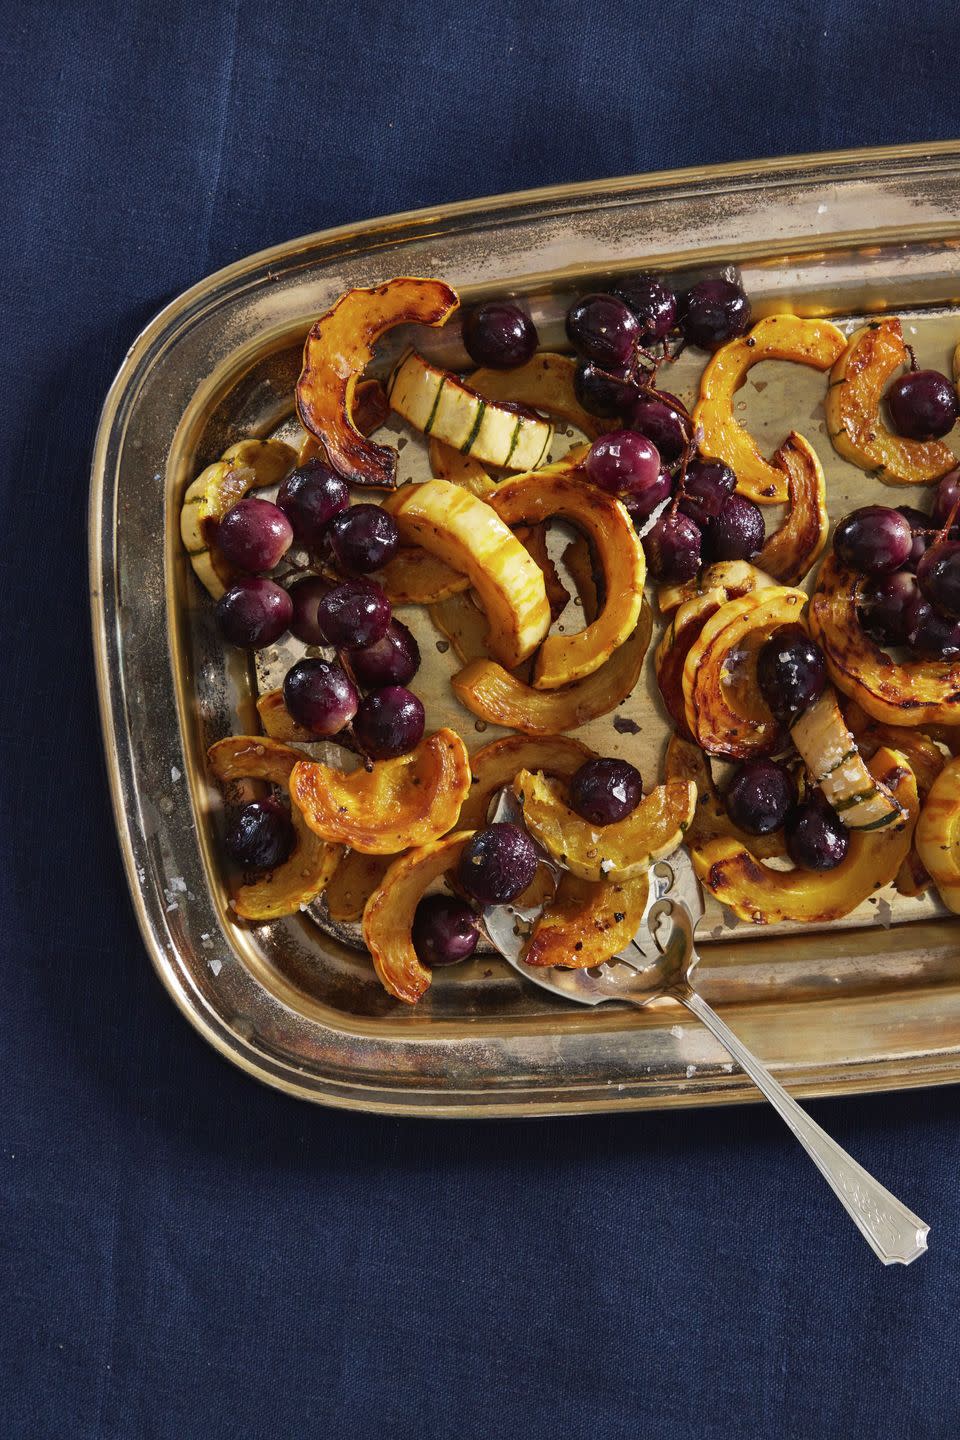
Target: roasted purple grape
394 659
444 931
706 488
791 672
354 614
759 795
262 836
874 539
642 505
653 305
498 864
306 595
713 312
660 417
672 548
254 613
923 405
623 463
310 497
320 695
601 392
816 837
499 335
930 634
738 532
604 791
389 722
938 576
946 499
254 535
363 538
603 330
884 605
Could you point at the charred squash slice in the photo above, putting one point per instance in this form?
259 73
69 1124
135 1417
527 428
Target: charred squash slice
724 710
587 922
493 694
911 692
926 760
337 351
549 495
499 762
857 383
408 801
544 383
734 577
609 852
438 403
686 623
468 534
354 881
388 916
686 761
371 409
834 763
756 892
303 876
778 337
938 835
792 550
248 465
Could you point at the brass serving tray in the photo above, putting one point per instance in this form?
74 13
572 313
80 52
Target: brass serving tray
871 1004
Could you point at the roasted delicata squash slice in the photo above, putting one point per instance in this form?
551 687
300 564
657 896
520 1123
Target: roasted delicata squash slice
496 765
778 337
734 577
449 464
468 535
248 465
834 763
463 625
302 877
388 916
543 383
605 852
337 351
371 409
857 382
756 892
416 577
354 881
925 759
686 623
547 495
793 549
724 710
438 403
277 721
587 922
493 694
407 801
908 692
686 761
938 835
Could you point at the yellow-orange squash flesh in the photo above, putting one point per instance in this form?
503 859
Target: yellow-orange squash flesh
686 623
310 866
543 383
446 463
493 694
686 761
468 535
605 852
499 762
461 621
371 409
587 922
734 577
925 759
854 422
938 834
415 577
388 916
407 801
792 550
354 881
724 710
778 337
909 692
277 721
247 465
544 496
754 891
337 351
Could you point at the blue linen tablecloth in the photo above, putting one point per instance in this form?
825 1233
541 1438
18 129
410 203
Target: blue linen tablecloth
182 1252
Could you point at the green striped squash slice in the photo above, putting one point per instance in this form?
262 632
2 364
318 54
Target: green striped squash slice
834 762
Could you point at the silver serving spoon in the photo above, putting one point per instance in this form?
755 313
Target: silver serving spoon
661 960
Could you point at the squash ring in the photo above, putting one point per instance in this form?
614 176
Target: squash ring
587 922
735 577
493 694
388 915
686 761
778 337
396 803
337 351
499 762
938 835
764 896
912 692
308 870
857 383
247 465
793 550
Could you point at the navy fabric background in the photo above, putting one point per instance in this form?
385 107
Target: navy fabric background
184 1253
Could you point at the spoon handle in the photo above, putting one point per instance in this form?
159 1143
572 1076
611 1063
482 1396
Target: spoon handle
895 1234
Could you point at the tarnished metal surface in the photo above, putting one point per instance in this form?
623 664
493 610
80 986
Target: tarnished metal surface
861 1007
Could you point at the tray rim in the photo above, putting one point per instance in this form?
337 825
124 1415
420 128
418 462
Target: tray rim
888 159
